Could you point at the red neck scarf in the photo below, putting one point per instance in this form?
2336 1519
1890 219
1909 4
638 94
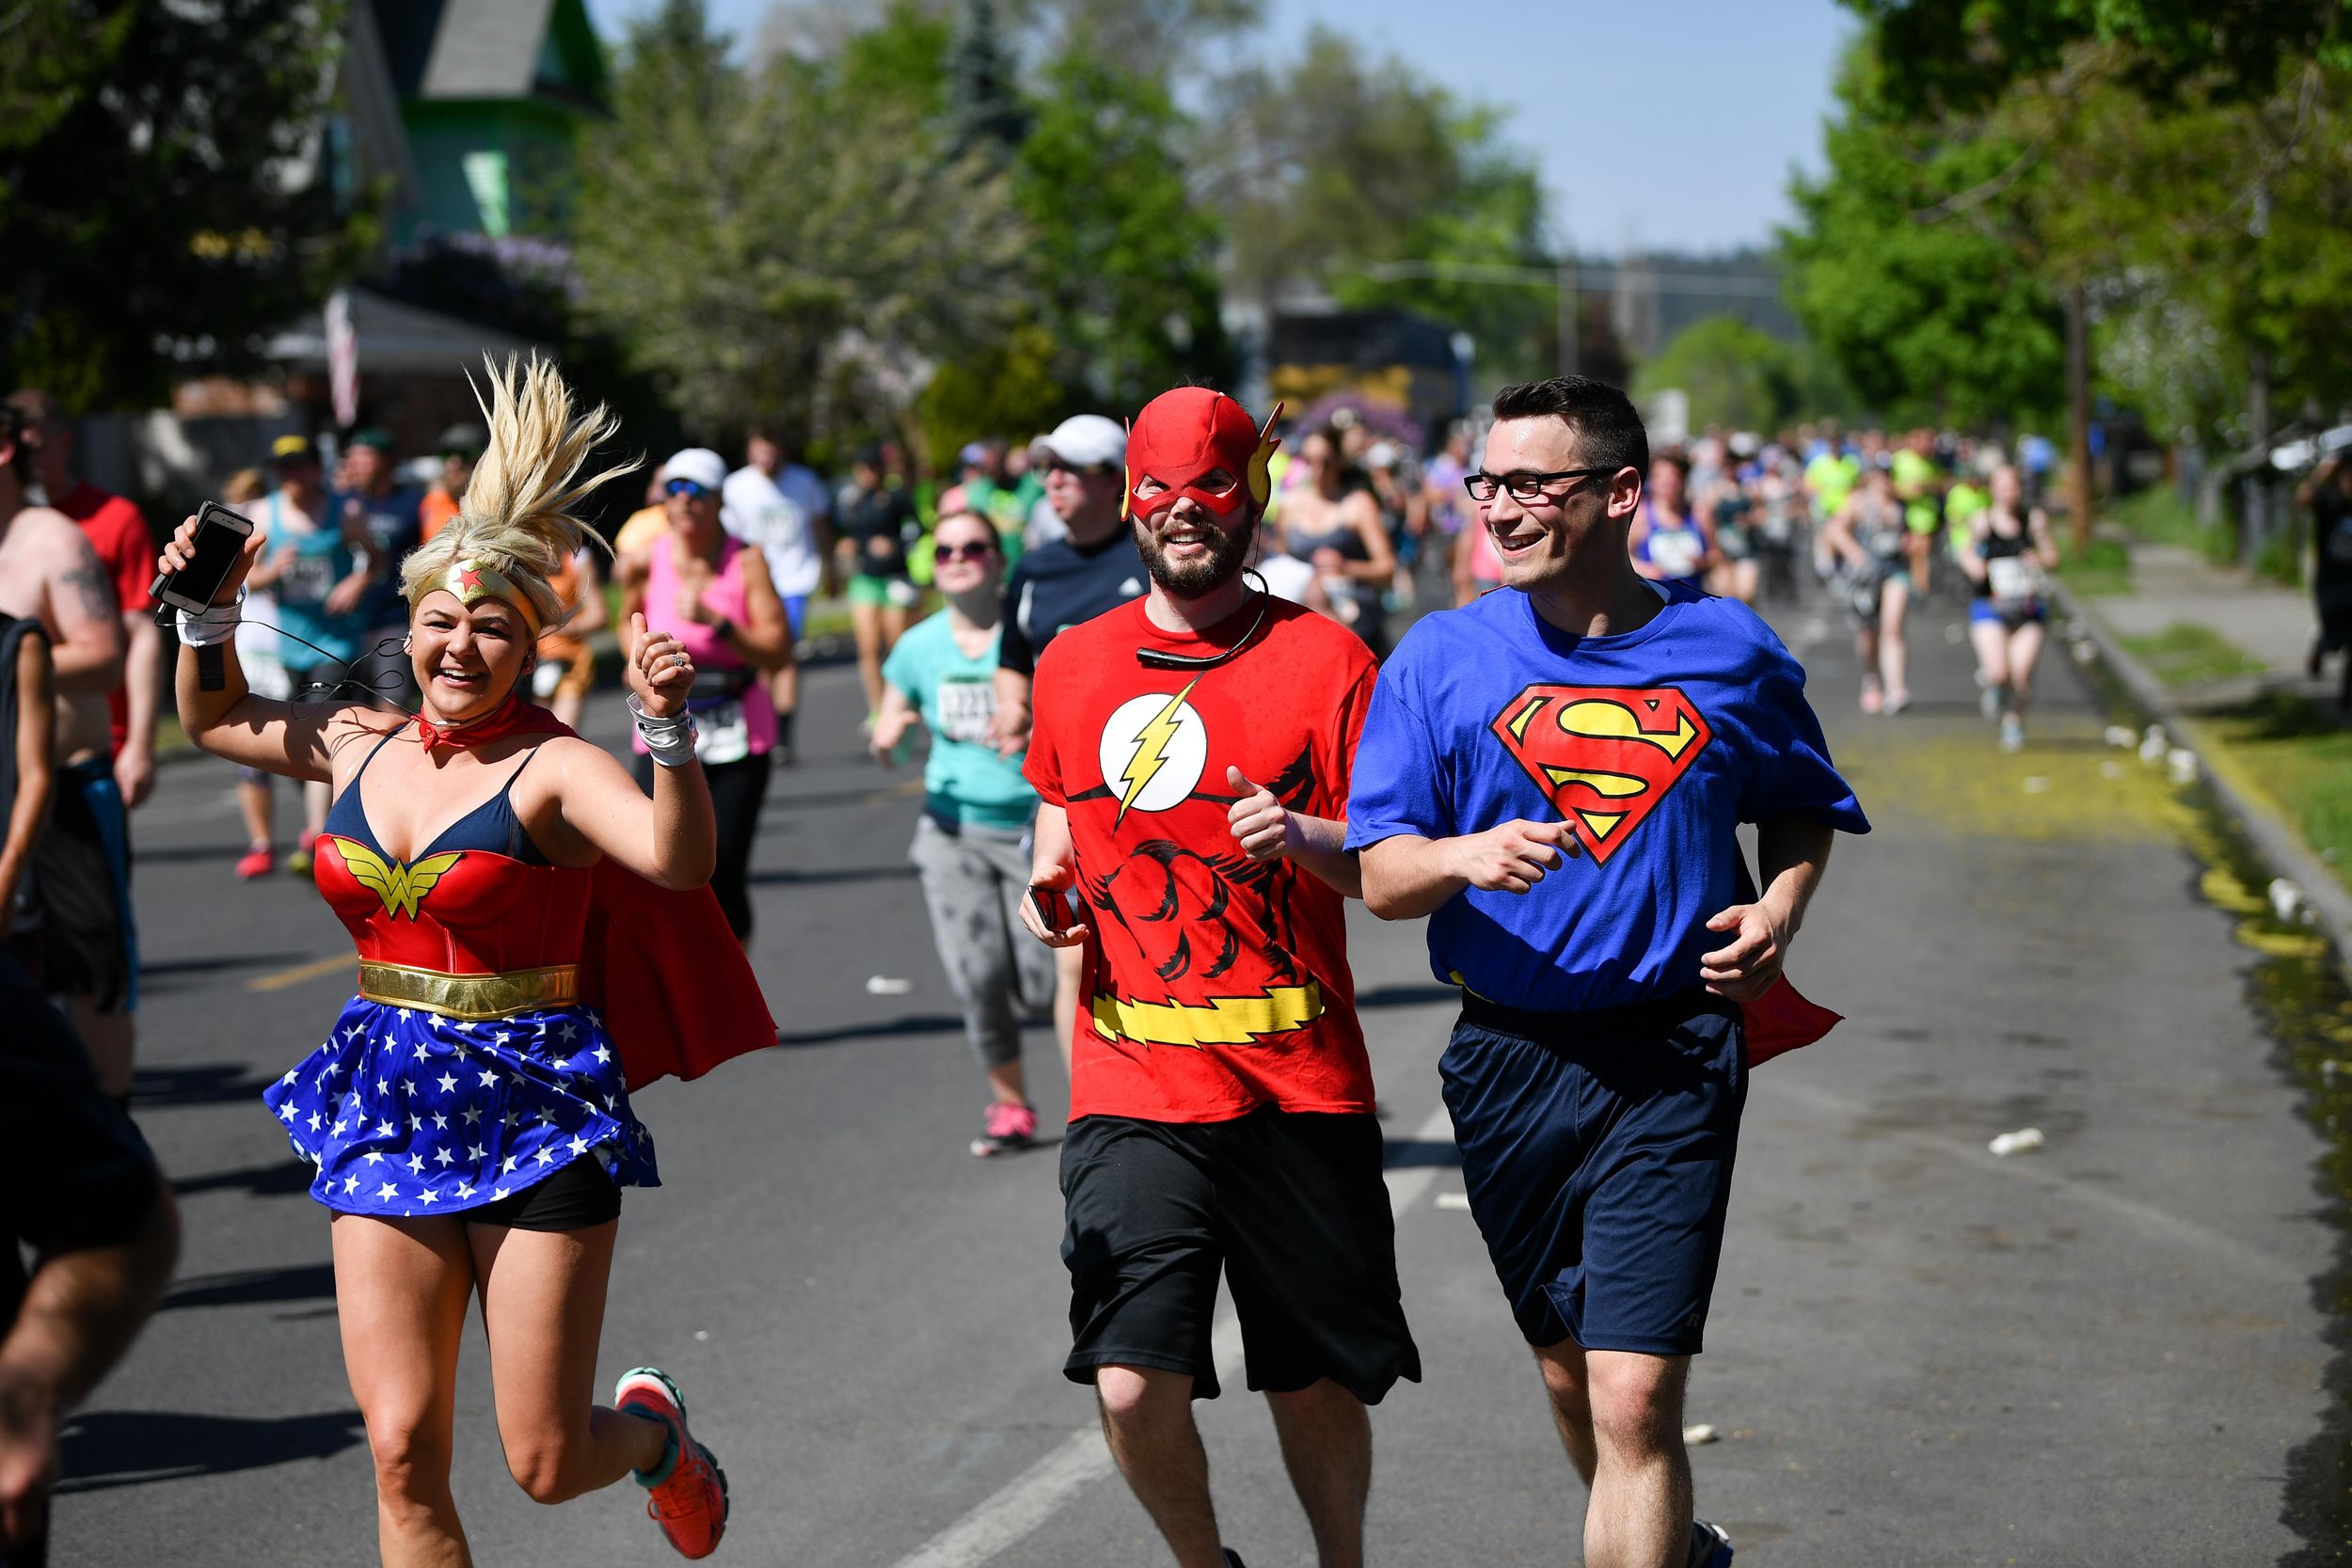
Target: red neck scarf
512 716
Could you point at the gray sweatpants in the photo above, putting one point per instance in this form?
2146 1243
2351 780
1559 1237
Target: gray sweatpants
974 878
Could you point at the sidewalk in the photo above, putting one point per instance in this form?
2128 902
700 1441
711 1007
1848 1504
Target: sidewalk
2263 629
2217 657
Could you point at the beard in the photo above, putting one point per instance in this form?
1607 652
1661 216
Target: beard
1196 579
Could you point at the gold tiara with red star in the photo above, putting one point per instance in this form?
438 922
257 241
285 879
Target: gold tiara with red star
472 580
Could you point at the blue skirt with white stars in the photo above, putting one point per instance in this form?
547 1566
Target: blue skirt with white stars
407 1113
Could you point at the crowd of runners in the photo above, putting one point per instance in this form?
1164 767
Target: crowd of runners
1190 679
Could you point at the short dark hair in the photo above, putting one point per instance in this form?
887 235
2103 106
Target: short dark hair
1608 430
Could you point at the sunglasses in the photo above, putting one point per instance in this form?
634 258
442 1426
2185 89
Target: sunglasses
974 551
687 487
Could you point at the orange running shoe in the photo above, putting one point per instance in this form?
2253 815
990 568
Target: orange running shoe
689 1494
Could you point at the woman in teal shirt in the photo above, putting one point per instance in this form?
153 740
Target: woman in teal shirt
972 844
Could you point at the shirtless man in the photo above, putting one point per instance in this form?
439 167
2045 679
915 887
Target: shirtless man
49 572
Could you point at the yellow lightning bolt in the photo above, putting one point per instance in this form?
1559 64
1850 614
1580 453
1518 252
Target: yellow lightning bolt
1150 753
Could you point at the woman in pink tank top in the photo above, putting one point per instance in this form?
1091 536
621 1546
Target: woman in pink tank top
714 595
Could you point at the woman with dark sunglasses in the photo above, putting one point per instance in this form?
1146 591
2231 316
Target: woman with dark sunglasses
972 843
712 593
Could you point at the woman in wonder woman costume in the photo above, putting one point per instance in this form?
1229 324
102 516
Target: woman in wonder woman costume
521 970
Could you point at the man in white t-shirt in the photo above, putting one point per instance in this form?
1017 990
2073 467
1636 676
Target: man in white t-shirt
783 508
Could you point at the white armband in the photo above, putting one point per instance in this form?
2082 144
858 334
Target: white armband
211 626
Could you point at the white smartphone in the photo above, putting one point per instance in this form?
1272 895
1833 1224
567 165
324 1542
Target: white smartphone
220 533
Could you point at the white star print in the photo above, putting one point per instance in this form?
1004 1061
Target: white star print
440 1122
315 1118
403 1014
477 1152
420 1051
389 1191
602 1055
442 1154
464 1191
428 1195
570 1031
382 1087
351 1183
508 1168
546 1158
501 1192
383 1129
580 1146
447 1083
416 1124
416 1164
286 1113
611 1101
373 1158
339 1128
288 1077
461 1050
501 1036
354 1029
473 1114
489 1079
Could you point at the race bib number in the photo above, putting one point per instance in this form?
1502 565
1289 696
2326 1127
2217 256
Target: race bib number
307 580
2010 577
966 707
721 733
1675 553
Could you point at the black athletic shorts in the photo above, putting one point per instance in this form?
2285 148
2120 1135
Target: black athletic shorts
577 1197
82 864
1289 1206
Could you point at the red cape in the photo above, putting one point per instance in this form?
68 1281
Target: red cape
661 967
1782 1020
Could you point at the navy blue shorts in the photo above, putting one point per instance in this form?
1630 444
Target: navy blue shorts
1597 1148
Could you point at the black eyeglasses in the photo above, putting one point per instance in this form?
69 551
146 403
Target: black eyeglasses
687 487
974 551
1524 486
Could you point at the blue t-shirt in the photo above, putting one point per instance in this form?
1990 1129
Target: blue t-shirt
393 525
964 780
1655 743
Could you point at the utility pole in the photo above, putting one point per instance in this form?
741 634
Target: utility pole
2079 488
1571 351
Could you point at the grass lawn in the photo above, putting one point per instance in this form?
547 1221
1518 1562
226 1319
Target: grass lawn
2104 568
2186 655
2301 756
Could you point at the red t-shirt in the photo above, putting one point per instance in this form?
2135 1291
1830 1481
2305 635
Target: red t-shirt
1216 983
119 534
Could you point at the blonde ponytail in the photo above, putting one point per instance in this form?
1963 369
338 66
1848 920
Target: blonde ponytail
517 520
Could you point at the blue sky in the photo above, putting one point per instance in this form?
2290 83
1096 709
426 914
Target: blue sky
1667 124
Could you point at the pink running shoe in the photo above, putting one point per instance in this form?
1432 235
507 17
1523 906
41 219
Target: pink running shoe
259 861
1010 1130
688 1497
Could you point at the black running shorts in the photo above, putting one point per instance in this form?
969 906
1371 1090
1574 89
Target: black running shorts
1288 1206
577 1197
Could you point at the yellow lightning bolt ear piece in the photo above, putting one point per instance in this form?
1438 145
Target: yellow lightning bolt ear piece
1261 477
1127 472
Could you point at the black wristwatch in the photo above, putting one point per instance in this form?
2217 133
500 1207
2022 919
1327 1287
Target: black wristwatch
723 629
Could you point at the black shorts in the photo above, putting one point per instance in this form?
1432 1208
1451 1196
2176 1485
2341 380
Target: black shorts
1289 1206
577 1197
86 943
1596 1150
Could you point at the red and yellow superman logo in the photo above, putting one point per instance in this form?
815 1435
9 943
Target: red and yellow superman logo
1604 754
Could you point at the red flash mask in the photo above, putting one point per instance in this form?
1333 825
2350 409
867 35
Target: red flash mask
1184 435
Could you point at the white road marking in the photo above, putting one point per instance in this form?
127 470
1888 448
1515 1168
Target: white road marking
1015 1510
1454 1201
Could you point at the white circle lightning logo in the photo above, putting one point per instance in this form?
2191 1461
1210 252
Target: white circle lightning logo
1155 748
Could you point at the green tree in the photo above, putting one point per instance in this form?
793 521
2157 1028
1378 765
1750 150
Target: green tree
148 222
783 243
1339 167
1735 375
1928 311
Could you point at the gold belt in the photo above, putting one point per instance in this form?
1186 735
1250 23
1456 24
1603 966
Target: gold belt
474 997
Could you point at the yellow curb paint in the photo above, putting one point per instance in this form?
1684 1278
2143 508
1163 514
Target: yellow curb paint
315 968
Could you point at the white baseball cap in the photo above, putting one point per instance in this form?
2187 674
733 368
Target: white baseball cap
1083 442
700 464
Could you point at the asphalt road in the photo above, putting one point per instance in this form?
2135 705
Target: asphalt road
2103 1352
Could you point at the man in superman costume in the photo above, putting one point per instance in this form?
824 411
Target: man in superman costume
1192 751
1555 774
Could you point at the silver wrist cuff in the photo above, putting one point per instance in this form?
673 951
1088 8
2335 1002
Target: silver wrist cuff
669 741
